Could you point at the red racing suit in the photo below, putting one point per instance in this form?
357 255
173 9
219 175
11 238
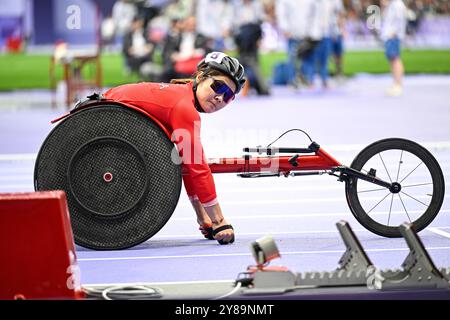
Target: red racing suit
173 105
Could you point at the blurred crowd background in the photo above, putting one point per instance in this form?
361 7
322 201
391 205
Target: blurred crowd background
163 39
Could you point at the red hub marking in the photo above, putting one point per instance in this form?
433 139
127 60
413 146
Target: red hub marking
107 177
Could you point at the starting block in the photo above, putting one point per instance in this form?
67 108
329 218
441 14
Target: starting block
418 270
355 269
354 266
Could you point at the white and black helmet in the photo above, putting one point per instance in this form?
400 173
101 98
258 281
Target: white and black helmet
224 63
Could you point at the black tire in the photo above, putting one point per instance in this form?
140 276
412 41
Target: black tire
429 189
119 172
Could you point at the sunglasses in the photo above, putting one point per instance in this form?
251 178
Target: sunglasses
220 87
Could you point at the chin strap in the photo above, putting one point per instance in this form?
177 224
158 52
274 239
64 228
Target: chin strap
196 103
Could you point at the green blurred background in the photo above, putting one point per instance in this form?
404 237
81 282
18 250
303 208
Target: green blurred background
31 71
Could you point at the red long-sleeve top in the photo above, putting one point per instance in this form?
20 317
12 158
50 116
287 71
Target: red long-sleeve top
173 105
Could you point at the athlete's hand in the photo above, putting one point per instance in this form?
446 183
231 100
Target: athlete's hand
223 232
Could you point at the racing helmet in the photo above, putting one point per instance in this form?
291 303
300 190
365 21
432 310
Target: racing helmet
227 65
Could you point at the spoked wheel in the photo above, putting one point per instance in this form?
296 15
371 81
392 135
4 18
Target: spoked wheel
417 176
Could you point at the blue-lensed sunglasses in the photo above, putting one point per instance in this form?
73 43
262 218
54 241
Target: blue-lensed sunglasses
220 87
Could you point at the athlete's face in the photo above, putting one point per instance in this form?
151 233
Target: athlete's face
215 92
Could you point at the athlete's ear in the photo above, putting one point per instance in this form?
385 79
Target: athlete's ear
200 76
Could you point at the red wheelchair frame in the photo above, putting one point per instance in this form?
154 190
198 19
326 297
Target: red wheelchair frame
314 160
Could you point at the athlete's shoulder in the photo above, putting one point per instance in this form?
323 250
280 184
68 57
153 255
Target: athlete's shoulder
175 91
184 106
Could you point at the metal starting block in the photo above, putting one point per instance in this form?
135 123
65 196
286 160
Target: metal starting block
354 266
418 270
355 269
271 280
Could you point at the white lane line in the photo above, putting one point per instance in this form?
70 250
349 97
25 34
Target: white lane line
222 190
260 202
275 216
231 178
288 201
166 257
357 147
16 178
439 232
196 235
243 254
324 187
158 283
296 188
18 187
435 145
16 170
301 215
18 157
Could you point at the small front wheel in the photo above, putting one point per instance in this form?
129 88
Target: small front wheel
417 199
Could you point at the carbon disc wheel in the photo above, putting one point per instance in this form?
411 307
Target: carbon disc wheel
418 193
117 168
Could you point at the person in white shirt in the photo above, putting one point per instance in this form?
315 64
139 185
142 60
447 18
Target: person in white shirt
314 33
179 8
247 33
214 20
123 13
330 21
393 30
138 52
323 51
337 32
292 18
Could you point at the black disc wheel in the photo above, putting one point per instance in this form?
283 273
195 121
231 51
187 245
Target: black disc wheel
120 174
417 190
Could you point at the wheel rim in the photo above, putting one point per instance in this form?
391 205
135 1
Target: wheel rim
415 197
103 164
394 154
117 169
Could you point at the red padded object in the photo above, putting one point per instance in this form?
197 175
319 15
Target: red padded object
37 251
188 66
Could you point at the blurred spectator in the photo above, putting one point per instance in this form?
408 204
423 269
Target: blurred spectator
310 45
293 17
107 31
312 29
138 52
123 13
416 12
247 11
214 19
323 50
273 39
337 32
183 48
330 16
147 11
180 9
247 39
171 44
392 33
248 16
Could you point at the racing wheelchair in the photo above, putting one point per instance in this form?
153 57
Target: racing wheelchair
123 179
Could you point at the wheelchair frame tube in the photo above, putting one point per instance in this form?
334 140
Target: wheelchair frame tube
320 161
